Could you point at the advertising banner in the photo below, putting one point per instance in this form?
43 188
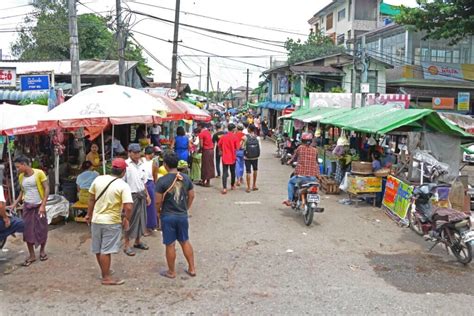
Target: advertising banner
397 197
439 71
344 100
464 99
443 103
7 77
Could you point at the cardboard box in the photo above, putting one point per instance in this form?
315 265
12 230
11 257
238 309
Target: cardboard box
361 184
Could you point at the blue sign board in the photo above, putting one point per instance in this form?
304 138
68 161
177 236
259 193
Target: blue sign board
34 82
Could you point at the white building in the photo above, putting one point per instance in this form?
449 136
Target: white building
341 19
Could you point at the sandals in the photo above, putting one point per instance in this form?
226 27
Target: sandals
129 252
43 257
28 262
113 282
189 273
248 190
141 246
224 191
255 189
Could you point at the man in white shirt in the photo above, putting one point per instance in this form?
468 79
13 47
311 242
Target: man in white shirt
155 132
136 179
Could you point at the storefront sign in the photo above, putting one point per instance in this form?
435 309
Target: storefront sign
283 84
464 99
443 103
359 184
344 100
7 77
439 71
172 94
35 82
397 197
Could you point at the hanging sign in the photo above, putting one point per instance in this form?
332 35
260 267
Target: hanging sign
172 94
397 197
34 82
443 103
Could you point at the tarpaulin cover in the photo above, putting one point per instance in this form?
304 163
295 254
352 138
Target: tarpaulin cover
275 105
320 113
20 119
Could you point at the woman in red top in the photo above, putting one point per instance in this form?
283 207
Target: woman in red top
207 148
228 145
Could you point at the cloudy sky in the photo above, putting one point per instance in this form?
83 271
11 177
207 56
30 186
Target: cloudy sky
268 20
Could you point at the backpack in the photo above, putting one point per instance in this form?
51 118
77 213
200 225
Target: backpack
252 147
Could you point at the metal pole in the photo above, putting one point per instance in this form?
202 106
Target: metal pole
175 45
302 86
56 172
112 143
365 71
11 169
247 88
200 79
208 77
103 151
120 43
74 49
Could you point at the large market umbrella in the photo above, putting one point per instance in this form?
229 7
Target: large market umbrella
19 120
175 112
99 106
195 113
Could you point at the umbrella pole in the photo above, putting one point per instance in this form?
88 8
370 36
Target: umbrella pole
11 170
56 172
112 143
103 151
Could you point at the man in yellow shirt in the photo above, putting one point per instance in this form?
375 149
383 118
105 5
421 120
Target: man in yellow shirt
109 194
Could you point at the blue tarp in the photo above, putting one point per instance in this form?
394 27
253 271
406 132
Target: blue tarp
279 106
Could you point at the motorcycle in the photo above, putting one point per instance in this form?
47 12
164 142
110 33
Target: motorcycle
288 151
306 200
440 225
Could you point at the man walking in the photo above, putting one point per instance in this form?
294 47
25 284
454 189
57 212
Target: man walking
228 145
136 179
174 197
109 194
215 139
251 145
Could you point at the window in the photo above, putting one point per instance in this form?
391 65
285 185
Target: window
349 35
341 15
372 78
329 22
340 39
456 57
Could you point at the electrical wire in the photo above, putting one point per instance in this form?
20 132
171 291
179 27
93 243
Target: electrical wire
226 21
265 41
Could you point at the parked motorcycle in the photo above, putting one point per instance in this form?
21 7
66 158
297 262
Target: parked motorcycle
306 200
441 225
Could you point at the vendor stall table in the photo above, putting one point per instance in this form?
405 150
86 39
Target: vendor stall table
363 187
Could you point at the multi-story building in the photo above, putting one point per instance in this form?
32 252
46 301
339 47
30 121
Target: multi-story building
342 19
423 68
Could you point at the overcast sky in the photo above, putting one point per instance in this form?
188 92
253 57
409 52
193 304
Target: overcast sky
268 15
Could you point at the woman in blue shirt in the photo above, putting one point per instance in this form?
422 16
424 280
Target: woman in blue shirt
84 181
181 144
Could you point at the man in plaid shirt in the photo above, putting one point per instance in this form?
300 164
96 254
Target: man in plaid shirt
307 169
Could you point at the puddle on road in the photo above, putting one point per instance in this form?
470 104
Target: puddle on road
423 273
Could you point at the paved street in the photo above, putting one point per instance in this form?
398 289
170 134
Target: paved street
253 257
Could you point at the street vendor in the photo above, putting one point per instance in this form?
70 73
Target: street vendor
376 163
93 156
84 181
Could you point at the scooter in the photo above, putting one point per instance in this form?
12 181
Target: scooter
306 200
440 225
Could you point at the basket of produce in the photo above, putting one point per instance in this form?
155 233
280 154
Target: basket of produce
361 167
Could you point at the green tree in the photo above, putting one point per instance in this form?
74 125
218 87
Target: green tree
447 19
316 45
45 36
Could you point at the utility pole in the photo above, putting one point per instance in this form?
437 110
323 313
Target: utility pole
120 43
200 79
247 89
354 73
208 78
365 71
74 50
178 85
218 91
174 61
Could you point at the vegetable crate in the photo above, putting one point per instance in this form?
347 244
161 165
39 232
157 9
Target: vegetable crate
329 185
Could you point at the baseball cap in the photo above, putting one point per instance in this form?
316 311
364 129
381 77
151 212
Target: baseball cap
149 150
119 163
134 147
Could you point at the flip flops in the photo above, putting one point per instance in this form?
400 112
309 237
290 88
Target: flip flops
113 282
28 262
141 246
129 252
166 275
43 257
189 273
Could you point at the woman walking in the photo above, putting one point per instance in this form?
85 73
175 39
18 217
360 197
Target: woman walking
150 169
196 157
207 149
34 194
181 144
239 164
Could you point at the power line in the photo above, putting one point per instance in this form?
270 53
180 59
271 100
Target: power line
231 56
16 7
195 49
268 42
226 21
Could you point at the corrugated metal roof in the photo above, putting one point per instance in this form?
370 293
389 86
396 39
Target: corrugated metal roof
15 95
316 70
87 67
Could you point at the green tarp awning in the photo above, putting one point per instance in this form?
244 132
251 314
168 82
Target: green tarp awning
322 113
381 119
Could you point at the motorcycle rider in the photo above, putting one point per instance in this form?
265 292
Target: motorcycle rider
8 225
307 169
